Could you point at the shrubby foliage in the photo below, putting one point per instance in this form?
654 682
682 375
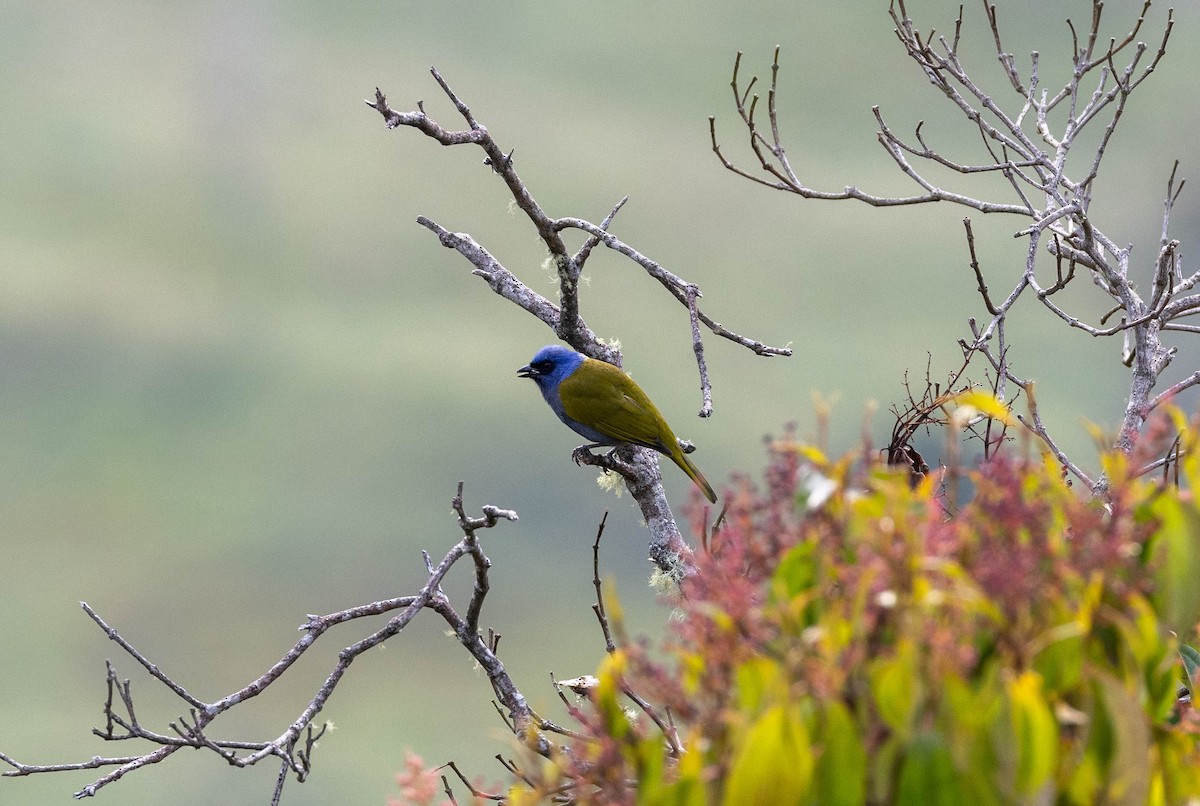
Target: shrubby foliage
849 641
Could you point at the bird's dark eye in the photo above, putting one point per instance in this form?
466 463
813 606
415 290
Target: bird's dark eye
542 366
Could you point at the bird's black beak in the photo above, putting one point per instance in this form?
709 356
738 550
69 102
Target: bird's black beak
526 372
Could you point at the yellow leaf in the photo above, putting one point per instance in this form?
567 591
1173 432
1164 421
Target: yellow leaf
759 680
607 694
1035 730
986 404
774 762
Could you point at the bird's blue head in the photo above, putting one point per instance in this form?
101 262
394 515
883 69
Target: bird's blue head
550 365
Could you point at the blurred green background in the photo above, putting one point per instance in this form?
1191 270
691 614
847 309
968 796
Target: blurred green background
240 383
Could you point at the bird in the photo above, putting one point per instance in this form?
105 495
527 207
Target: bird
601 403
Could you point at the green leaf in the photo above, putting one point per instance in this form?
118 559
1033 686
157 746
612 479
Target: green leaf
774 763
1088 776
927 775
1060 660
689 788
971 706
841 778
649 755
1175 558
797 571
1191 661
894 684
969 713
1128 773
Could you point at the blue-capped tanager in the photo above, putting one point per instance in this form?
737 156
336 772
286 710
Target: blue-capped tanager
601 403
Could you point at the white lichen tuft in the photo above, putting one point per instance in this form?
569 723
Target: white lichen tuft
611 483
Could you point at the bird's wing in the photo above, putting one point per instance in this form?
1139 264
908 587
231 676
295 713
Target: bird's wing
604 398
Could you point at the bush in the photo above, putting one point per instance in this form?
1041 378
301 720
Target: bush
846 640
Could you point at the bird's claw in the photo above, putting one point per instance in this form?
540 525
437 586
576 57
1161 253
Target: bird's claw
581 454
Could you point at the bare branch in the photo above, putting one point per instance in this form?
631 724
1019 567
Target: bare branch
698 348
1029 145
1038 428
592 240
983 290
113 635
1167 394
295 745
668 730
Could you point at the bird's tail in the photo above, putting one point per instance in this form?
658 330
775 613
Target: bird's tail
685 464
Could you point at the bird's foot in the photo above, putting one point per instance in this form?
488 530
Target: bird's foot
583 454
606 461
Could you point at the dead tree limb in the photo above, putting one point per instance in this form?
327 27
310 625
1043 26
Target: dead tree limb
1028 142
